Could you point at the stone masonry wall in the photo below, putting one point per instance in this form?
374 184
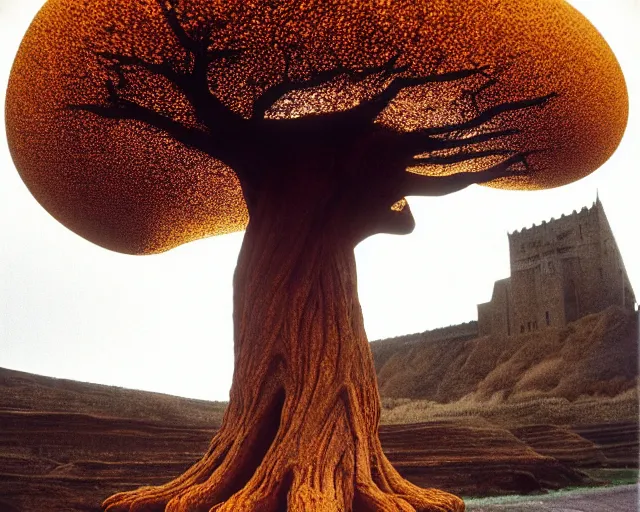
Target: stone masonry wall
561 270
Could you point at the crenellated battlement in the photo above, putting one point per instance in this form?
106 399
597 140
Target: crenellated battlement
561 270
566 234
585 215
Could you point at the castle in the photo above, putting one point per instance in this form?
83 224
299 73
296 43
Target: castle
561 270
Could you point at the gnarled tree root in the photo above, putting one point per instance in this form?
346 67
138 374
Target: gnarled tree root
273 471
292 492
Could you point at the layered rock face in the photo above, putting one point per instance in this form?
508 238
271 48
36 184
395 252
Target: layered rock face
72 461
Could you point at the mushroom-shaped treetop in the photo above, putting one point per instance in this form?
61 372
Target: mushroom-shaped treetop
145 124
127 119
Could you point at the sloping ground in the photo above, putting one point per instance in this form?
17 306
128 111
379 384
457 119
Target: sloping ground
55 439
533 411
594 356
65 446
71 462
26 391
618 441
471 459
562 444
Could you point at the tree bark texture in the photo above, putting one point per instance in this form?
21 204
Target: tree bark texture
301 430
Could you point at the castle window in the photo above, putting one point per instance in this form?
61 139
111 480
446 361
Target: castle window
601 273
528 326
548 318
535 325
580 226
522 328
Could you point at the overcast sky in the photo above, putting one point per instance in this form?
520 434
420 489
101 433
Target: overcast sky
71 309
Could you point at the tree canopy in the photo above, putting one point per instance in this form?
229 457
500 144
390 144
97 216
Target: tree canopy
132 122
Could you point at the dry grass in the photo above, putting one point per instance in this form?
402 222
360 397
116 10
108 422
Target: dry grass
596 356
534 410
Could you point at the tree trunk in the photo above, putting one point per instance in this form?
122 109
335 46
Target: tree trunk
301 430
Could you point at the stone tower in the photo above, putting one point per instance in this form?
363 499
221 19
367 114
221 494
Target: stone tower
561 270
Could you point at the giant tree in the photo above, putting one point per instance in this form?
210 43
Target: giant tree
144 125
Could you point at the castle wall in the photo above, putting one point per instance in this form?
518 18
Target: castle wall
613 273
537 299
561 270
495 317
485 312
524 284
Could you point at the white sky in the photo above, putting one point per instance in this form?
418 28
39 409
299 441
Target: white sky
71 309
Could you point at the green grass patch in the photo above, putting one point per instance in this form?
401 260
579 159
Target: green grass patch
614 476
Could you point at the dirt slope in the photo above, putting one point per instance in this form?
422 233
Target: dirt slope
57 459
29 392
71 462
594 356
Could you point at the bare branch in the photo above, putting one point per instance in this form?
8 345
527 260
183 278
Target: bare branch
473 94
461 156
490 114
272 94
419 142
373 107
121 109
367 110
418 185
169 10
193 82
121 61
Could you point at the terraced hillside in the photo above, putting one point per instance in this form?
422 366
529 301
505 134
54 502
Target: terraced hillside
51 459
